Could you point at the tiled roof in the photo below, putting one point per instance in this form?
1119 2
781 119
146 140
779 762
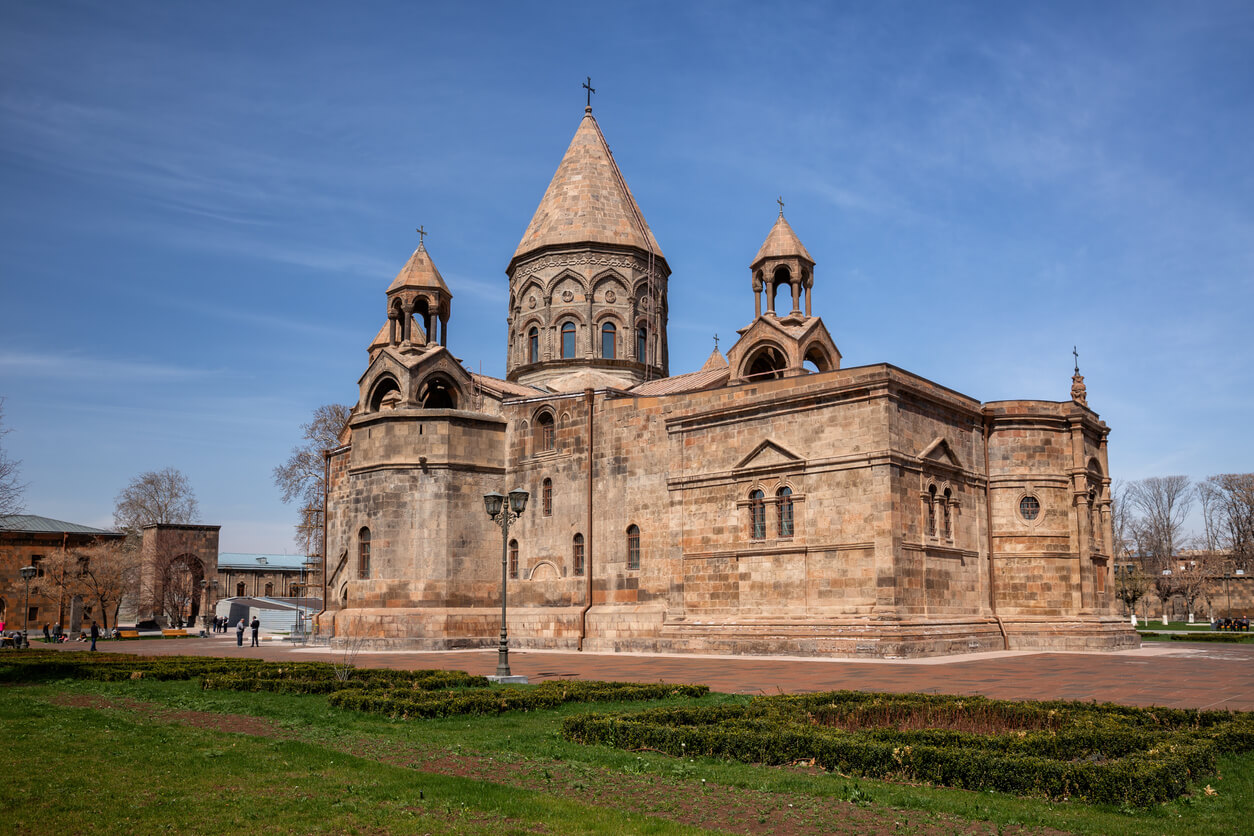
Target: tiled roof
588 200
262 562
419 271
46 525
505 388
781 242
706 378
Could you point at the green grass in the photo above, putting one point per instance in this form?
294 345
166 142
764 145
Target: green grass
118 771
1157 624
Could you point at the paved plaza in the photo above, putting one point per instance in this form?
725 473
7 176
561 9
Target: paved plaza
1176 674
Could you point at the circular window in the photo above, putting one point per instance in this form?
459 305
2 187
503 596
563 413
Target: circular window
1029 507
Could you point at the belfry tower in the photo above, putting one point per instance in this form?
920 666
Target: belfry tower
587 284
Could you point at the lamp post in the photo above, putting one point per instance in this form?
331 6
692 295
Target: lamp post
503 515
1228 575
27 572
205 586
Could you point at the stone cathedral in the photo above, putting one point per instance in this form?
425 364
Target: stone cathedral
770 502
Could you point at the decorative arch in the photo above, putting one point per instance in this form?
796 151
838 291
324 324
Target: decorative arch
817 354
765 361
379 390
438 391
543 571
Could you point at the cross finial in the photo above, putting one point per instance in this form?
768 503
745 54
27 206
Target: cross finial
716 342
1077 359
422 235
780 201
588 86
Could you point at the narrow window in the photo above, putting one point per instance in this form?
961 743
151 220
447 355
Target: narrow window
533 345
546 497
513 558
291 591
568 341
577 554
642 344
633 546
757 515
36 560
363 553
239 590
269 590
609 336
33 614
784 495
931 511
949 530
544 433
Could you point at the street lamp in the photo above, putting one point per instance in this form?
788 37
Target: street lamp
494 504
205 586
27 572
1228 575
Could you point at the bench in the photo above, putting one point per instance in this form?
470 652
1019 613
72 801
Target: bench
128 634
170 633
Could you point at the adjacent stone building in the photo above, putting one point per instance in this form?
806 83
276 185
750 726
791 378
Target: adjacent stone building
771 502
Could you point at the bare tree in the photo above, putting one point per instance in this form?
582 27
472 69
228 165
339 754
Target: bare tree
1231 501
1132 585
103 572
10 488
302 478
158 496
1163 503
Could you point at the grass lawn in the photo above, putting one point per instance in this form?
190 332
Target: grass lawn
143 756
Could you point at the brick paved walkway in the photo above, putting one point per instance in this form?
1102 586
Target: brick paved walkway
1176 674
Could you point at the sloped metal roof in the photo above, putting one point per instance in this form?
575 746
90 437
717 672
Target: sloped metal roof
261 562
46 525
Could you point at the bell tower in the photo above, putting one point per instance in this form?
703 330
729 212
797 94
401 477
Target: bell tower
587 284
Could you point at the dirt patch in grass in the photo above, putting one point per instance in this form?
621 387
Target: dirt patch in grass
679 797
233 723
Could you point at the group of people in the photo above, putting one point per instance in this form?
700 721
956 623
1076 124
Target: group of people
240 627
221 624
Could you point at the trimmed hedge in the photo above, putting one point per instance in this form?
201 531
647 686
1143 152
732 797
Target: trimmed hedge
1098 753
547 695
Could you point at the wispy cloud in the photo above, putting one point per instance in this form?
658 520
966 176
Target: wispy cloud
69 366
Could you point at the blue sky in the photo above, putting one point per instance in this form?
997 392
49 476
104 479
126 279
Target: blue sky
202 204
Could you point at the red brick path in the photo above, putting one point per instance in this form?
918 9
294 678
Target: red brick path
1179 675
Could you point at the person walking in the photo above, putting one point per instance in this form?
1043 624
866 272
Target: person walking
47 635
239 633
95 634
256 625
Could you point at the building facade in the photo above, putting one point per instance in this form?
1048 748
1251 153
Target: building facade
771 502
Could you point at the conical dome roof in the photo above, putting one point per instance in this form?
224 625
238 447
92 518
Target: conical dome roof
420 272
588 201
781 242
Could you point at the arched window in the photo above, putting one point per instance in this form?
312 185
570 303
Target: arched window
576 555
533 345
947 517
609 339
633 546
757 515
239 590
381 390
568 340
546 497
293 592
784 495
513 558
545 440
363 553
931 511
642 344
269 590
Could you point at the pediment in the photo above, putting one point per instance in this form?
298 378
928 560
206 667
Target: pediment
768 454
940 452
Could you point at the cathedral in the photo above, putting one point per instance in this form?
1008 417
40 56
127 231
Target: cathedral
770 502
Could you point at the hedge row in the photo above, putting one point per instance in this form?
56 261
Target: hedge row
548 695
294 683
1104 754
